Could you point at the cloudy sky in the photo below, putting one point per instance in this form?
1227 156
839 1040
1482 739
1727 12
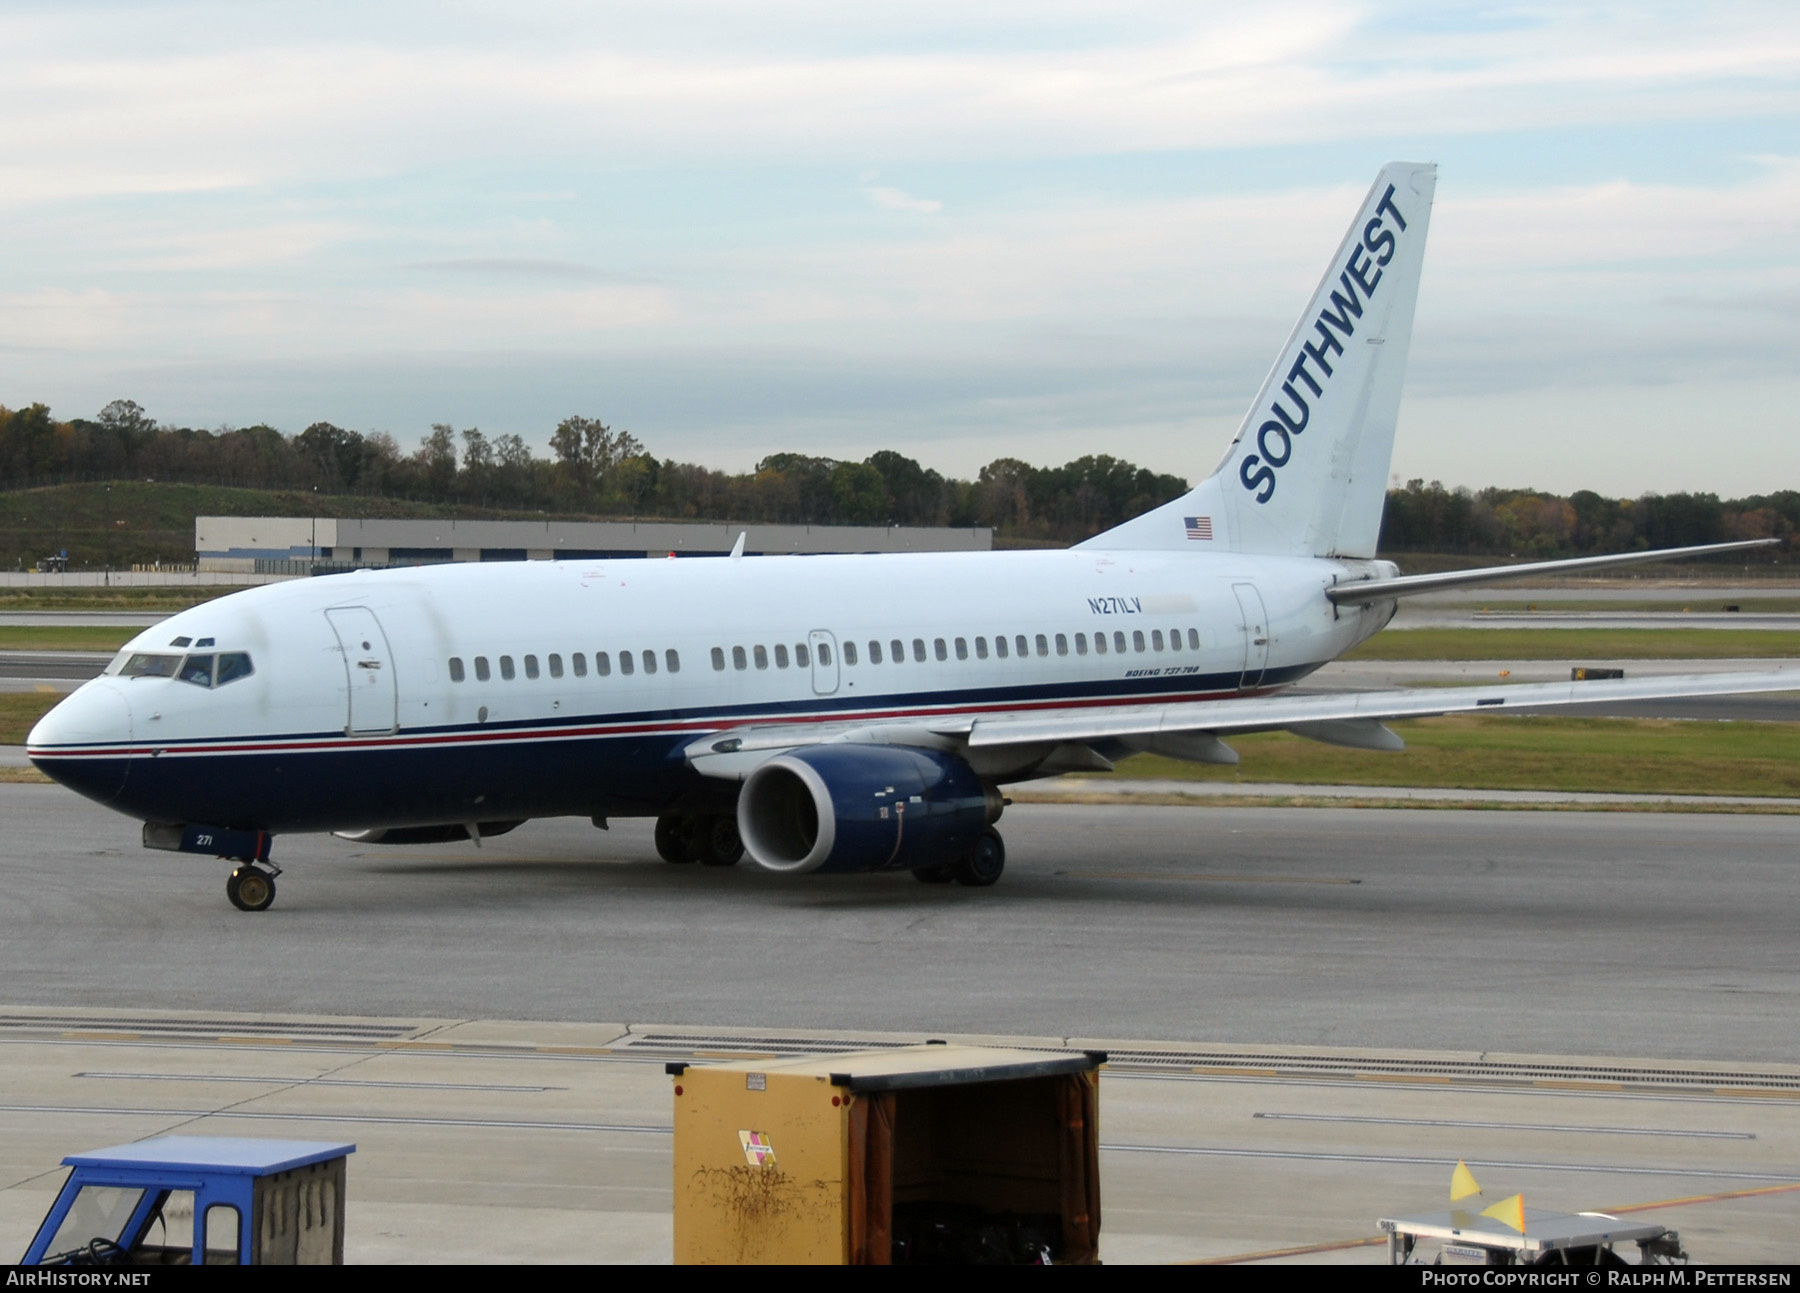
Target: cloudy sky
962 230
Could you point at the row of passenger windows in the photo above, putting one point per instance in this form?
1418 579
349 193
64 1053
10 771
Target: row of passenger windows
578 665
1018 645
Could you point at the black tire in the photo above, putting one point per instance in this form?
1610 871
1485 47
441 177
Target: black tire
718 842
675 838
934 875
981 866
250 889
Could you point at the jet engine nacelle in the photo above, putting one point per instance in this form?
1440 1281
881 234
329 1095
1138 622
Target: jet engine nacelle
862 808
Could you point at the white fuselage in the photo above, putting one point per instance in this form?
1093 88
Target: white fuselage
520 689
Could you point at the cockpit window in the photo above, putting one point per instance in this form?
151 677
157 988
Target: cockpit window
197 669
143 664
232 666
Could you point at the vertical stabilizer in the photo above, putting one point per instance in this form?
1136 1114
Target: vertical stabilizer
1307 473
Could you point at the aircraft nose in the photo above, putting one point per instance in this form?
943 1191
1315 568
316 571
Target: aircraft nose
85 742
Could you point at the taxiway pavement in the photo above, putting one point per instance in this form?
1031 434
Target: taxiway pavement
1628 934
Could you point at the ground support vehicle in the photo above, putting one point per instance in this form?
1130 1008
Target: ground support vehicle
198 1200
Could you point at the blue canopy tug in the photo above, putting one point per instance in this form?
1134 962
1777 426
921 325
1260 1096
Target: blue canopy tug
198 1200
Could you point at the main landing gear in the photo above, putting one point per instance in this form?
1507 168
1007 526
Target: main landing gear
710 840
252 886
978 868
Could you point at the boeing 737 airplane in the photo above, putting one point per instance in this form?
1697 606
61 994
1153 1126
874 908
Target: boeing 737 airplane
820 713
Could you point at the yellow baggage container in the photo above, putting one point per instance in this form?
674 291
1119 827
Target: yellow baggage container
914 1154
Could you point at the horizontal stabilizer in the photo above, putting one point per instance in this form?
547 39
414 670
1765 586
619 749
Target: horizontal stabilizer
1380 590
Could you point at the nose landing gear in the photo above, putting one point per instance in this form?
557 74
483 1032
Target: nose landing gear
252 886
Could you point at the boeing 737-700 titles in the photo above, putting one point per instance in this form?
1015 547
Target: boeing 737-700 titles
819 713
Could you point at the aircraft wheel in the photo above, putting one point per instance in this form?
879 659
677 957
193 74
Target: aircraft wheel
934 874
250 889
674 838
981 865
718 841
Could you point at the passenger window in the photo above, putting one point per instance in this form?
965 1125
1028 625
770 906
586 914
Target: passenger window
456 669
649 661
781 656
223 1244
602 663
236 664
531 666
919 650
626 667
849 652
718 659
506 668
738 659
1119 641
481 668
1000 645
1081 644
897 649
1174 639
579 660
825 654
762 656
801 656
1062 644
151 666
1193 639
939 648
874 652
981 648
1043 645
671 659
962 648
1021 647
555 663
1137 639
1099 644
1156 642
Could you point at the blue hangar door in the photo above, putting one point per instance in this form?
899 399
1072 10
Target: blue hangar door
369 668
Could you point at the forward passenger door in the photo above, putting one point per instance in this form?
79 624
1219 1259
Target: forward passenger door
369 669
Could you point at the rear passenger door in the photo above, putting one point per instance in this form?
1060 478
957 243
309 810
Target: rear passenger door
369 669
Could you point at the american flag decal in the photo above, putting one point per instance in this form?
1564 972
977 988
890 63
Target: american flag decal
1199 527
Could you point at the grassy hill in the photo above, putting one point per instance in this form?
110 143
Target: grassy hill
123 523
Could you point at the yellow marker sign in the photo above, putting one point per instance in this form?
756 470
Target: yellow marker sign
1509 1212
1462 1182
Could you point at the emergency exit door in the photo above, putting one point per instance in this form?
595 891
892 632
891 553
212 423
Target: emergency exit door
369 669
824 662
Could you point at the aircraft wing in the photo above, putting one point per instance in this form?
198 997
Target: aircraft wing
1350 718
1298 712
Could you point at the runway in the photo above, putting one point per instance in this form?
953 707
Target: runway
1580 933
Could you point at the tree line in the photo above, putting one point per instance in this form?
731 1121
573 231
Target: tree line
596 470
592 469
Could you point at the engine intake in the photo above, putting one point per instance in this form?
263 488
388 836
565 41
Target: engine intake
862 808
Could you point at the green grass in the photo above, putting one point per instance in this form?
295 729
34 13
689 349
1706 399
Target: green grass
19 710
1578 644
167 599
74 637
1697 601
1618 755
